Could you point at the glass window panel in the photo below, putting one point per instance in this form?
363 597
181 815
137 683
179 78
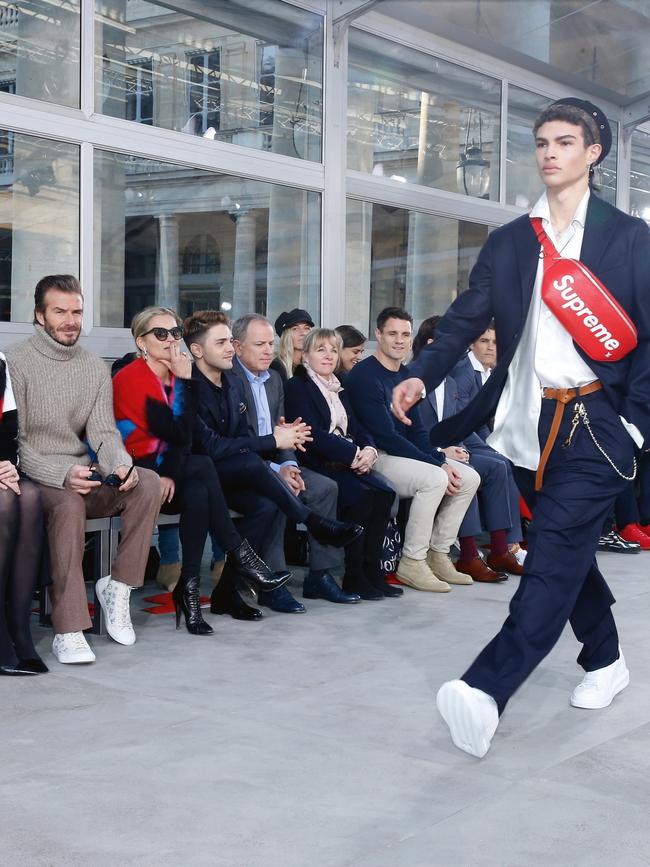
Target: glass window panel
39 218
416 118
523 184
640 175
405 258
192 239
238 71
39 50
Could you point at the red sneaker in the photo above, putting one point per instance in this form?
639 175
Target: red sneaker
645 528
635 533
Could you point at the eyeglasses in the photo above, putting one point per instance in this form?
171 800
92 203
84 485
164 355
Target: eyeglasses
163 333
112 480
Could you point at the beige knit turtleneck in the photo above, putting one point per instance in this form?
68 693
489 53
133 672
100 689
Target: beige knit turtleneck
64 395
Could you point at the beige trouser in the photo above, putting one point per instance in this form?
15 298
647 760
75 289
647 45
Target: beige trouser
435 517
65 516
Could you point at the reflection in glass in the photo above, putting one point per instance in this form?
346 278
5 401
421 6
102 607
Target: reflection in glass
39 218
230 70
39 50
523 184
640 175
407 259
192 239
416 118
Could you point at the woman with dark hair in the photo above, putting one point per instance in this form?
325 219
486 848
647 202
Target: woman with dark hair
21 543
353 344
344 451
155 402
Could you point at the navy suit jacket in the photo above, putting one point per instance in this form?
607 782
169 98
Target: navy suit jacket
616 247
303 398
469 384
211 436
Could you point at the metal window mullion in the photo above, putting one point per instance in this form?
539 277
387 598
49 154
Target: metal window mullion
86 237
503 149
333 234
87 58
623 167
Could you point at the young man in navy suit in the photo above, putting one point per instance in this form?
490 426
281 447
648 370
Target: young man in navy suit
541 373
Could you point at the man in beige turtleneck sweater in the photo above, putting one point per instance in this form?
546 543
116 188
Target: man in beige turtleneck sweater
65 404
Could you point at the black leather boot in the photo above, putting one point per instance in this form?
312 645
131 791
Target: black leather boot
253 570
186 599
330 532
226 600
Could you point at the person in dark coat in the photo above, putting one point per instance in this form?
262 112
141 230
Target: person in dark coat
21 543
568 421
342 450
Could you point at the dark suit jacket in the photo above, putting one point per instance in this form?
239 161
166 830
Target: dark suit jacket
275 397
452 404
328 453
211 436
616 247
469 384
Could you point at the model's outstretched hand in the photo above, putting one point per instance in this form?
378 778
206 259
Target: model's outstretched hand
406 395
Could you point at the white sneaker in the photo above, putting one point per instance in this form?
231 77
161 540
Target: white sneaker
470 714
598 688
114 598
72 647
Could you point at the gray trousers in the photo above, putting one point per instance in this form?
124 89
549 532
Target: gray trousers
320 495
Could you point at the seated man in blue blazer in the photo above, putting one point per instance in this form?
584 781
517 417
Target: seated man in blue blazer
568 421
250 486
500 500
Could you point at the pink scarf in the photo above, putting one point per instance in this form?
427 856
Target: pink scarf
330 388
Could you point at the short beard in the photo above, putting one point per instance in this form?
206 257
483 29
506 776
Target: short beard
52 333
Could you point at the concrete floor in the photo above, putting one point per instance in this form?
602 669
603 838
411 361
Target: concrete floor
313 741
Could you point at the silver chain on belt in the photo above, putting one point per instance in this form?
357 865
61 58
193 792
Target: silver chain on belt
580 415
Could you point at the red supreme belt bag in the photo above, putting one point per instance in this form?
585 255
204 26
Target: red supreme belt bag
577 298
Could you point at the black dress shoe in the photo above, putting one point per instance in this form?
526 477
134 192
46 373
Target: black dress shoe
325 587
34 665
14 671
282 601
391 590
330 532
253 570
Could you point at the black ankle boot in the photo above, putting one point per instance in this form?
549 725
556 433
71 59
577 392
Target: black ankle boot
187 600
253 570
382 586
330 532
360 585
226 600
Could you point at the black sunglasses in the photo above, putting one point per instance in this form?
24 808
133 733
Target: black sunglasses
112 480
162 333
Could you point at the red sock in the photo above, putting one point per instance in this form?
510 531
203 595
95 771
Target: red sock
498 542
468 549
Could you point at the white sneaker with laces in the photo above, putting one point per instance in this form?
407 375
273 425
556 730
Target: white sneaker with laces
471 715
72 647
598 688
114 598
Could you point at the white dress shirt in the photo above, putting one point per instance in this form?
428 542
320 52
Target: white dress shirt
545 357
478 367
9 402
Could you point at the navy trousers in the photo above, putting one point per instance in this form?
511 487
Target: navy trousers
498 495
561 580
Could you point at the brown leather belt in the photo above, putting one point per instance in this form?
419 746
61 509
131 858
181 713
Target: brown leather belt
562 396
